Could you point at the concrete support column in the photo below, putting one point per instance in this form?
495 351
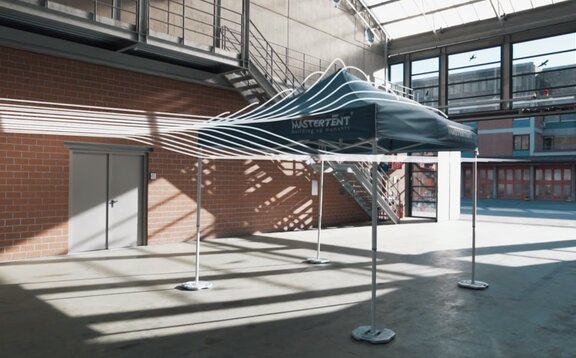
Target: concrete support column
143 7
573 182
449 182
116 7
217 23
245 53
407 71
506 80
532 181
494 184
443 81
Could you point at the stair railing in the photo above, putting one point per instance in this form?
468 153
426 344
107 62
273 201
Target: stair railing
263 57
388 196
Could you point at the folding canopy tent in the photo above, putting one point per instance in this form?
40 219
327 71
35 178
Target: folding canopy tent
340 118
351 117
345 114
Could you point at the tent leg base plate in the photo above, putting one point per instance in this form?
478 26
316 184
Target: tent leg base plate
374 335
316 260
473 285
195 285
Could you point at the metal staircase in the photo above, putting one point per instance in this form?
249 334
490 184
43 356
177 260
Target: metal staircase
266 73
356 179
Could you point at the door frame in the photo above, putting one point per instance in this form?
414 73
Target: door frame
111 149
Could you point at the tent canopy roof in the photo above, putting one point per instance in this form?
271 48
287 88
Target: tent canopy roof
347 115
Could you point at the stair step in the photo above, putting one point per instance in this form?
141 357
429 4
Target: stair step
234 80
250 87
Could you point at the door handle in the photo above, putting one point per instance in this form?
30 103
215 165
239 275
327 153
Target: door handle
112 202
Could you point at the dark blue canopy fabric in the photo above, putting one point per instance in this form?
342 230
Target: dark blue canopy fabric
342 107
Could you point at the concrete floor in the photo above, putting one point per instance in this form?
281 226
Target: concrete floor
548 213
267 303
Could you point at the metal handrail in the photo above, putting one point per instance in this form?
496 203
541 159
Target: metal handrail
274 59
264 57
388 196
387 190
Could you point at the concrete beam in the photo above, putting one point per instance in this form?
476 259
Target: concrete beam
10 37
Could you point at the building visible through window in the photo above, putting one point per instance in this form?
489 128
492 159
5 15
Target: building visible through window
548 143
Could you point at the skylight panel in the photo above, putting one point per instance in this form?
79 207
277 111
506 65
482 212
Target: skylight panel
438 21
435 5
506 6
468 13
373 2
538 3
411 6
408 27
410 17
390 12
521 5
484 10
451 17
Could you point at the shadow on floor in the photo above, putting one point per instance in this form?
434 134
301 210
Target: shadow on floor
529 311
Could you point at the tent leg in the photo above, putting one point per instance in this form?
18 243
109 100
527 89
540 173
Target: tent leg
374 334
318 259
197 285
473 283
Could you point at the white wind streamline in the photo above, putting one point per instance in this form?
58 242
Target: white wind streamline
248 133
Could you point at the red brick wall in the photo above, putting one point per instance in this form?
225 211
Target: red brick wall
32 186
34 176
239 197
495 145
496 124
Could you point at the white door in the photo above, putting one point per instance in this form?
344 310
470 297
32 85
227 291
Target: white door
88 194
105 201
124 186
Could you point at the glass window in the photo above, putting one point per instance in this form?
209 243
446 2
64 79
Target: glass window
558 174
526 174
518 174
567 192
538 174
544 71
509 174
548 174
396 74
567 174
425 79
474 80
522 142
509 189
557 190
490 173
501 189
501 175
